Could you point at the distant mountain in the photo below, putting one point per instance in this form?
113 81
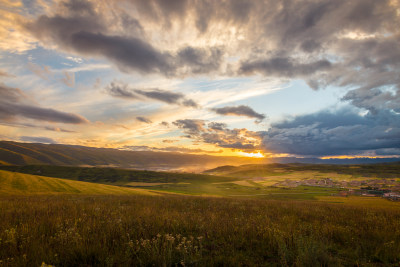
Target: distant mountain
285 160
14 153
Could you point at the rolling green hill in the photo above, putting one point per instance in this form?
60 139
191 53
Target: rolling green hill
381 170
113 175
182 183
12 183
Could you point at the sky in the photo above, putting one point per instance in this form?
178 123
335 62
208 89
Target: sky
306 78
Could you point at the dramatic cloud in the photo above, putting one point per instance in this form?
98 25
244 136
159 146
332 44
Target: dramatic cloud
351 46
122 90
86 31
240 111
15 104
285 67
339 133
143 119
129 54
375 99
219 135
322 42
200 60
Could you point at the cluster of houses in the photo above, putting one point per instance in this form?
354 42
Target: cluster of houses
386 188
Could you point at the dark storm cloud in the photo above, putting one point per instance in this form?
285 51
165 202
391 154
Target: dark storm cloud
122 90
144 119
239 111
36 139
334 133
219 135
15 104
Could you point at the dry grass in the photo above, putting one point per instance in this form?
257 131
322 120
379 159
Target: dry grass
78 230
361 201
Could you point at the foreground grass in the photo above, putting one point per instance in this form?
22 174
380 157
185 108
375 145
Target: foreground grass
78 230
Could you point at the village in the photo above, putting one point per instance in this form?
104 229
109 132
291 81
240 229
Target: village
385 188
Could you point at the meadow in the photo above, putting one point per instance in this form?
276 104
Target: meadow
173 230
178 183
115 217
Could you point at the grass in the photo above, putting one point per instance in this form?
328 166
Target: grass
113 175
366 202
81 230
66 222
181 183
391 170
12 183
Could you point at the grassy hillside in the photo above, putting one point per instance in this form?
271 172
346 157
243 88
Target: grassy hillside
388 170
183 183
14 153
113 175
12 183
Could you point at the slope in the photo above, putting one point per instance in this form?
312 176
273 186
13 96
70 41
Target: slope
12 183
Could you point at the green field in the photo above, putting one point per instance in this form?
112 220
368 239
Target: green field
182 183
